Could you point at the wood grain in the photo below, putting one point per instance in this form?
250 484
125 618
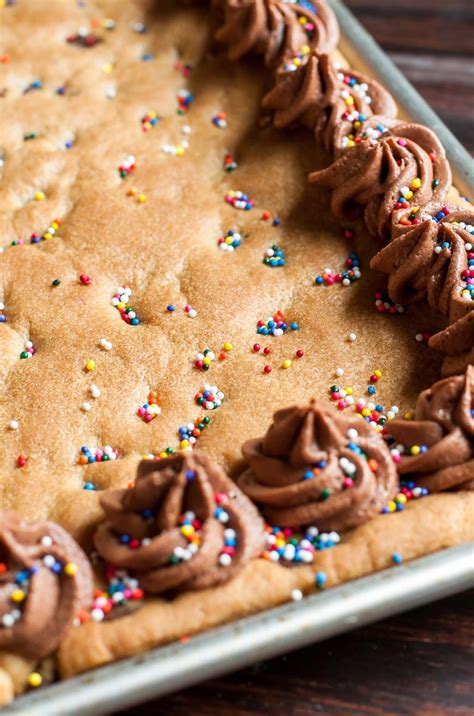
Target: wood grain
431 42
419 663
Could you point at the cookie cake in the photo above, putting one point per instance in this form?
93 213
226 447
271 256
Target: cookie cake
223 386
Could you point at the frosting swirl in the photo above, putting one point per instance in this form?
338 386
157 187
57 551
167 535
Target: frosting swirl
393 165
183 525
45 579
431 258
331 101
440 440
316 466
457 341
278 29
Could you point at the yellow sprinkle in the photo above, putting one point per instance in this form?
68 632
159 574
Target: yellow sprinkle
296 61
90 365
187 530
141 198
17 595
408 195
378 373
184 444
228 346
365 412
306 49
348 391
401 498
152 115
38 196
416 183
349 100
302 20
35 679
163 454
357 123
350 143
415 209
408 416
280 542
47 235
415 450
55 225
121 304
71 569
392 506
107 68
179 150
286 363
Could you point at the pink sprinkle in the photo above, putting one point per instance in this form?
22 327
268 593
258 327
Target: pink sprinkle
402 142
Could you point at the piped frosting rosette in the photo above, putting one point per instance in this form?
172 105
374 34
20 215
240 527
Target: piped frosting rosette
393 165
431 255
45 580
437 447
184 525
277 29
333 102
316 466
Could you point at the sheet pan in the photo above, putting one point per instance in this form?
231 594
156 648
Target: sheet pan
318 616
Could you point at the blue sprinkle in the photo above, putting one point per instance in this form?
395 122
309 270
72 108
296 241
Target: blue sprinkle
397 558
321 580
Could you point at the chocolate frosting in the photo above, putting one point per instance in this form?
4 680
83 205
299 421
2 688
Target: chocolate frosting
316 466
333 102
172 528
457 341
444 430
428 260
38 599
273 28
375 173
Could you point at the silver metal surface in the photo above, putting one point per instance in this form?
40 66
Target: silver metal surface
318 616
276 631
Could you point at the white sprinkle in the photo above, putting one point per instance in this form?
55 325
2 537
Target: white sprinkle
13 424
419 337
339 372
94 391
225 559
97 615
352 337
296 595
47 541
86 407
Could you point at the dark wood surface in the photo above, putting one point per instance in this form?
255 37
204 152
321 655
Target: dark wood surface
420 663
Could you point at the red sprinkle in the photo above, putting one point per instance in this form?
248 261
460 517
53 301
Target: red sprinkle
85 279
265 215
267 369
299 353
21 460
256 347
267 351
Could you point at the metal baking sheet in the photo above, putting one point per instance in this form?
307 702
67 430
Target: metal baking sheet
319 616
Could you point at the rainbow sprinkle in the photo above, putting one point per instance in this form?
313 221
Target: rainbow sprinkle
230 164
120 300
274 257
149 120
29 350
149 410
384 304
210 397
230 241
91 455
185 100
127 166
275 326
296 546
346 277
239 200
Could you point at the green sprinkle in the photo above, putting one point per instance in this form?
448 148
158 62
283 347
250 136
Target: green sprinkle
56 282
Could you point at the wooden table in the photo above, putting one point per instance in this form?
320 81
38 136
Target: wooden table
422 662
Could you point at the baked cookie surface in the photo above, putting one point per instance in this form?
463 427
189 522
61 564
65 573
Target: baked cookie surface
116 144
